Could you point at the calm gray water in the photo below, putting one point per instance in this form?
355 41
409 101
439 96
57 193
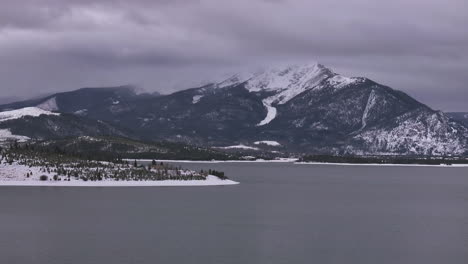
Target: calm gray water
280 213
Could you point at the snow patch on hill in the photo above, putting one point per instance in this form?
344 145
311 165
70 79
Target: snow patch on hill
81 112
196 99
20 113
268 142
339 81
271 113
239 147
6 135
371 101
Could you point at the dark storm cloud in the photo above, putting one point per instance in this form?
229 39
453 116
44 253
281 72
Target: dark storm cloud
52 45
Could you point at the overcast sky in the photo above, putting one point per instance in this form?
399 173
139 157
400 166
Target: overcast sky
418 46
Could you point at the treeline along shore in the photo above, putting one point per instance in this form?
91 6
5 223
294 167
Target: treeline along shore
384 159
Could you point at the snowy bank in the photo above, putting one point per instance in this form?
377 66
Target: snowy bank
210 181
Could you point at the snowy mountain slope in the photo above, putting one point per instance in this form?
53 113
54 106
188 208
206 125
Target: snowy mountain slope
290 81
6 135
99 101
44 126
20 113
329 115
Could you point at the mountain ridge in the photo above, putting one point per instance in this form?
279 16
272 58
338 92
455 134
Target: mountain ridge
306 108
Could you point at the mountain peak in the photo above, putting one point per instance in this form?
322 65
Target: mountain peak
286 82
290 79
273 75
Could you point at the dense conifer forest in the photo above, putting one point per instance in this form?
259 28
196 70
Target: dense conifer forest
108 148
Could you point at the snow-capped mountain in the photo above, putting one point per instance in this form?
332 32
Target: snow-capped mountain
286 83
304 108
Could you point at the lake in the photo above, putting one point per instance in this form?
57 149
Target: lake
280 213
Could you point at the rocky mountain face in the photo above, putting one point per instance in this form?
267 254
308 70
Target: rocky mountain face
417 132
302 108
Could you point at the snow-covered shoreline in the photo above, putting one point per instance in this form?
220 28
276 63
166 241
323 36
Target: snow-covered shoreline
210 181
286 160
384 165
295 161
21 175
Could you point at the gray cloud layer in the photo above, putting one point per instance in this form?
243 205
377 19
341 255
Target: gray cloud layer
417 46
